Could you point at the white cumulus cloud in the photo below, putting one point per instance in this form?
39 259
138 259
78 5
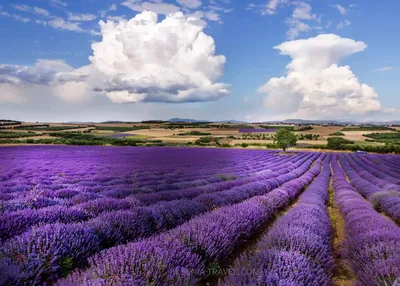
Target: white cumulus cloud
169 61
137 60
315 84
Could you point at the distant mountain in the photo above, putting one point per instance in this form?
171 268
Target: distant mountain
118 122
78 122
287 121
383 122
186 120
232 121
299 121
205 121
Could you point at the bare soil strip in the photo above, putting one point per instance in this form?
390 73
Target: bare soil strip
342 273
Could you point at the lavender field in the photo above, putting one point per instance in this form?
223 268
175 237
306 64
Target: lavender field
191 216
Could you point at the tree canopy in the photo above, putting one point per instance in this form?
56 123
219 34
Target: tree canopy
285 139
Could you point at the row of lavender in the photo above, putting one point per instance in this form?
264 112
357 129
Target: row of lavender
63 179
297 249
381 189
181 256
209 225
307 250
58 169
373 241
49 251
14 223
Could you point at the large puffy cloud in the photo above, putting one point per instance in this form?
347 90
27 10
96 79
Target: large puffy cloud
315 85
137 60
168 61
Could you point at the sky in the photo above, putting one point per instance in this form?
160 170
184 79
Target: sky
133 60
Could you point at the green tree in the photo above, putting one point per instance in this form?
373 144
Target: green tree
285 139
336 143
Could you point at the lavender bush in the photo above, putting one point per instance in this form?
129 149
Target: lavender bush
373 242
73 215
297 249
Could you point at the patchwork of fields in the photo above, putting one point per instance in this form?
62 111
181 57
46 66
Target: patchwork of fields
374 139
184 216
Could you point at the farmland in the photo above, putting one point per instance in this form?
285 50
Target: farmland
76 215
379 139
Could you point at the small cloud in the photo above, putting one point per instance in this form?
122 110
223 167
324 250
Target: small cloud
273 5
80 17
24 8
328 25
113 7
59 3
267 9
216 8
116 18
192 4
212 16
340 8
60 24
157 7
343 24
15 17
40 22
41 11
35 10
295 28
386 68
303 12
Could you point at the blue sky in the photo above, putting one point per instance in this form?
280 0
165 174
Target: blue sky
334 59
